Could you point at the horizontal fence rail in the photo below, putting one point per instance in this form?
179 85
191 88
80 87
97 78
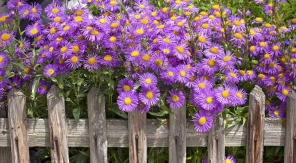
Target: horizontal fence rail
157 135
17 133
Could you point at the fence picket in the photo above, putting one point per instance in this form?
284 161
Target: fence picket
97 127
17 117
57 126
137 137
290 141
254 149
5 152
177 135
216 141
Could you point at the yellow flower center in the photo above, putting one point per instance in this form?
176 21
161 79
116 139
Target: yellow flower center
50 49
226 58
149 95
239 95
114 25
107 58
66 28
144 21
180 24
74 59
175 98
232 75
266 56
139 31
88 28
91 61
261 76
211 17
211 63
202 120
158 62
180 49
3 19
209 100
173 18
26 12
148 81
33 10
258 19
225 94
27 70
191 78
275 48
262 44
141 6
135 54
146 57
215 7
54 10
227 161
5 37
52 31
293 21
63 49
201 85
127 101
214 50
79 12
1 59
205 26
112 39
113 3
238 35
242 73
166 40
276 112
165 10
126 88
182 73
50 71
272 65
236 23
94 32
203 13
75 49
267 25
201 39
285 92
160 26
57 19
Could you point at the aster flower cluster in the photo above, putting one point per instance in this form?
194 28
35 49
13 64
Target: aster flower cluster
167 57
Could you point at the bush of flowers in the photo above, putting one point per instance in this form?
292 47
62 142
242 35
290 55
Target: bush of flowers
151 56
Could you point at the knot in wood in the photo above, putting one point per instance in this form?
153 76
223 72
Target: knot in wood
255 139
176 137
55 138
294 137
137 136
95 137
3 132
16 138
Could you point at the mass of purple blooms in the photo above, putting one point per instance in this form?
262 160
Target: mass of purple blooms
199 57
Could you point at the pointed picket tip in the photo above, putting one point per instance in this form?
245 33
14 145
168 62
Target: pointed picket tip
93 92
15 92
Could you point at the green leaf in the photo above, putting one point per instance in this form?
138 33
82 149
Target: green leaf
34 88
76 114
116 110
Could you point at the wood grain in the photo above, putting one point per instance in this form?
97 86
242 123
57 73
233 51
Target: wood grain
97 127
157 134
290 141
5 152
177 135
216 141
18 126
137 137
57 126
254 150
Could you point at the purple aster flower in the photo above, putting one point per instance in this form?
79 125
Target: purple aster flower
232 76
213 50
33 30
93 33
53 10
15 4
200 86
175 99
64 50
5 18
74 61
251 75
276 112
259 1
207 100
132 54
283 93
149 96
127 101
3 61
205 160
209 65
239 97
5 38
203 41
148 80
168 77
181 51
159 62
202 122
43 87
50 70
146 59
3 80
125 85
238 26
91 63
109 59
229 159
34 11
182 74
226 60
224 95
237 39
143 108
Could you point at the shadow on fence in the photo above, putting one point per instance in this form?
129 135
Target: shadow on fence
138 133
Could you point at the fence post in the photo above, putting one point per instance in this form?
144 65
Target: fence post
216 141
5 152
97 126
254 145
290 140
57 126
177 135
137 137
17 118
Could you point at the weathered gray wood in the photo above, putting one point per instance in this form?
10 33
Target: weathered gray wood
57 126
254 150
216 141
5 152
177 135
18 127
137 137
157 134
97 127
290 141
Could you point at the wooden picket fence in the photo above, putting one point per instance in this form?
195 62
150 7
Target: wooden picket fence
17 133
